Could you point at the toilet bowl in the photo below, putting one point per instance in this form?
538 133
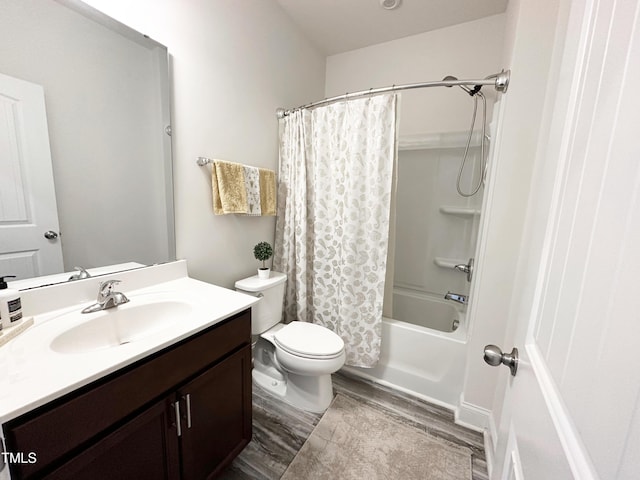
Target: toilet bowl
294 361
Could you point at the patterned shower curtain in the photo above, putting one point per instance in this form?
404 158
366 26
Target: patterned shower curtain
332 229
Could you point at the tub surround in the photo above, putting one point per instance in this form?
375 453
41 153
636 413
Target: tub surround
32 374
436 228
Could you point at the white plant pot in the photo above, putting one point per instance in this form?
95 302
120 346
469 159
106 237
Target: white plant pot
264 273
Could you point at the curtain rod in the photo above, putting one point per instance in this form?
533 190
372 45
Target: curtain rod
499 80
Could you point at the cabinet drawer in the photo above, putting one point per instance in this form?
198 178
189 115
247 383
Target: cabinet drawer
66 424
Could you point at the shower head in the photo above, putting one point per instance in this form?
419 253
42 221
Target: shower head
463 87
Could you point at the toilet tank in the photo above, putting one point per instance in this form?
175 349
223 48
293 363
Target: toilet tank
268 311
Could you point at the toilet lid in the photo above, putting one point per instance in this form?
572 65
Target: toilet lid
308 339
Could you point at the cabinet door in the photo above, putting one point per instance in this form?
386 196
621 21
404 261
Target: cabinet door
145 447
216 422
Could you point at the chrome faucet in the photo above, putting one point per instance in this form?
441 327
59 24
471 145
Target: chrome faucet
82 273
456 297
466 268
107 298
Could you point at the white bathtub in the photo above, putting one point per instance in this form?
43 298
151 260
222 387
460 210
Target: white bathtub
427 362
425 310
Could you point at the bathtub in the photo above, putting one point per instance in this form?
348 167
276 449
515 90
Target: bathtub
425 358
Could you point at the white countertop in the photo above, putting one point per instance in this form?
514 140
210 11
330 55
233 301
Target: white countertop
32 373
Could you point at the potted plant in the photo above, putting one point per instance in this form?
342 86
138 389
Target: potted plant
263 251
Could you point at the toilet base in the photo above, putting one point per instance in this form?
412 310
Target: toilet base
268 383
301 382
309 393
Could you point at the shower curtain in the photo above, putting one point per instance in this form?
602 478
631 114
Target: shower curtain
332 230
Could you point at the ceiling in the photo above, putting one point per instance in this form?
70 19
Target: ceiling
337 26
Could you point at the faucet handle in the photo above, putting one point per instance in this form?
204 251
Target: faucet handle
466 268
82 273
106 287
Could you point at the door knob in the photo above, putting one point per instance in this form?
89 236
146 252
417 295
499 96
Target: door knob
493 356
50 235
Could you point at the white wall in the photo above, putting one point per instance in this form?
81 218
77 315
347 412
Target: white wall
469 50
233 63
529 50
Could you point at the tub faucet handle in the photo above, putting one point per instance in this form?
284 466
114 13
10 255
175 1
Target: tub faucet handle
466 268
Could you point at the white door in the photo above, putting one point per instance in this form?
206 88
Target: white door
573 409
27 197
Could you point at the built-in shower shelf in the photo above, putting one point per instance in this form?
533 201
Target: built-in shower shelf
448 262
426 141
460 211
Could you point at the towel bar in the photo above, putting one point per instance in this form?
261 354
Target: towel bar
202 161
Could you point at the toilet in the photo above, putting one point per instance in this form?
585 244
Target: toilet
294 361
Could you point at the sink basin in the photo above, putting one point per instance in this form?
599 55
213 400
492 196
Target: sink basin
118 326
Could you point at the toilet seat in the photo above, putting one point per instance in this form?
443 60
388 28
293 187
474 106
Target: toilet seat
309 340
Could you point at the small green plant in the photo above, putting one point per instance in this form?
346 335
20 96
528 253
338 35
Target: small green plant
263 251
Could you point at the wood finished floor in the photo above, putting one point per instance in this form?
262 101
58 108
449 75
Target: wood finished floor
280 430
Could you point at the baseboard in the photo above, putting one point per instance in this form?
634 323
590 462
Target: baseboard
479 419
490 443
472 416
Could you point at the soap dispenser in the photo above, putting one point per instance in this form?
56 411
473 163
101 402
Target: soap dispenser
10 304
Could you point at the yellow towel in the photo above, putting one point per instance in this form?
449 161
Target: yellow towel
267 191
229 191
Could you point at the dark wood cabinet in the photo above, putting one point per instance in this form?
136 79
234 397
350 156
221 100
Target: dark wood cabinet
145 447
215 424
185 412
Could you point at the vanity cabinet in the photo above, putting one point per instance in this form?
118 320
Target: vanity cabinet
214 431
142 448
183 413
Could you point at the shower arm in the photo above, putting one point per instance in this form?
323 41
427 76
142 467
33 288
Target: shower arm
500 82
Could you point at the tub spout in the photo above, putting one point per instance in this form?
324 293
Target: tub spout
456 297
